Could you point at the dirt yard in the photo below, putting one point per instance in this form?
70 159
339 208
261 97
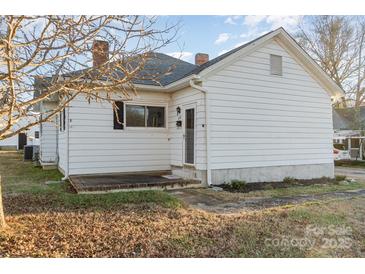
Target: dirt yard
48 221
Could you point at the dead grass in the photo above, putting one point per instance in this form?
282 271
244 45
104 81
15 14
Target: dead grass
43 223
154 231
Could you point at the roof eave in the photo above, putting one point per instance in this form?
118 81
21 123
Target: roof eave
179 84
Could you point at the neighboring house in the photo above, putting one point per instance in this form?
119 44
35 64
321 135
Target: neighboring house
259 112
345 134
18 141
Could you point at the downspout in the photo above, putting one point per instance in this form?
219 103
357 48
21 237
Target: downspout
192 83
57 136
67 145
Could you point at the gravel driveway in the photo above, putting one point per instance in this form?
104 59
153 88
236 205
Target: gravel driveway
351 172
205 199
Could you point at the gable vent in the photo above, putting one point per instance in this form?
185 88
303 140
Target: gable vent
276 65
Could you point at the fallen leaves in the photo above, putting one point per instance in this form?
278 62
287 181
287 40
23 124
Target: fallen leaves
146 230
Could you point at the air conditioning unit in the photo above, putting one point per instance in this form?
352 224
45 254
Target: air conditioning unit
35 152
28 152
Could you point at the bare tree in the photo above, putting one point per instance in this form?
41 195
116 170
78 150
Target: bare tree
50 56
337 44
56 50
2 216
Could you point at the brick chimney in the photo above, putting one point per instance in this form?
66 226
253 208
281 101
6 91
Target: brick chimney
201 58
100 52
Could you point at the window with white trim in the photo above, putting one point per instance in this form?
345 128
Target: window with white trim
145 116
276 65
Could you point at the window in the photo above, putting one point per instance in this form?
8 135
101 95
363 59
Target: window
36 134
118 115
136 116
145 116
276 65
62 120
155 116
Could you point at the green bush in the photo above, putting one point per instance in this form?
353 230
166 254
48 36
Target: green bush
237 185
289 180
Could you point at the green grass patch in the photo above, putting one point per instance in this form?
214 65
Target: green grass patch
23 178
301 190
112 199
316 217
349 163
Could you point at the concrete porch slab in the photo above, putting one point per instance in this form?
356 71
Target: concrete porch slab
126 182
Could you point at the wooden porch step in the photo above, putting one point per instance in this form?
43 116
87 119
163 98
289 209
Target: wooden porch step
128 182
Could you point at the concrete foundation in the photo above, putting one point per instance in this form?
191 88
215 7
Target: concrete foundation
189 172
48 165
272 173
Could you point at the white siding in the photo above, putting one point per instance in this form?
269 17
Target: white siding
95 147
13 141
48 142
31 140
183 98
258 119
10 142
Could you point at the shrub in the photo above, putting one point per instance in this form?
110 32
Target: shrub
268 187
340 178
289 180
238 185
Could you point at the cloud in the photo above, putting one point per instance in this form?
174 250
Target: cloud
252 34
288 22
223 37
253 20
230 21
183 55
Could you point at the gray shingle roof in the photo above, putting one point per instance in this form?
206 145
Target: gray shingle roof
168 69
159 70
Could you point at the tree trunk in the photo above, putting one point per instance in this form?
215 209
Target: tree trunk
2 216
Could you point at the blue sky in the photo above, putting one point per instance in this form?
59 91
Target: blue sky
216 35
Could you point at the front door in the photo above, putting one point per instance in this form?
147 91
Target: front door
22 140
189 135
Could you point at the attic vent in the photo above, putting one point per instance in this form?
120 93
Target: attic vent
276 65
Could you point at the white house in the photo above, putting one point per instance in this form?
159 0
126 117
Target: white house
345 136
28 137
259 112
